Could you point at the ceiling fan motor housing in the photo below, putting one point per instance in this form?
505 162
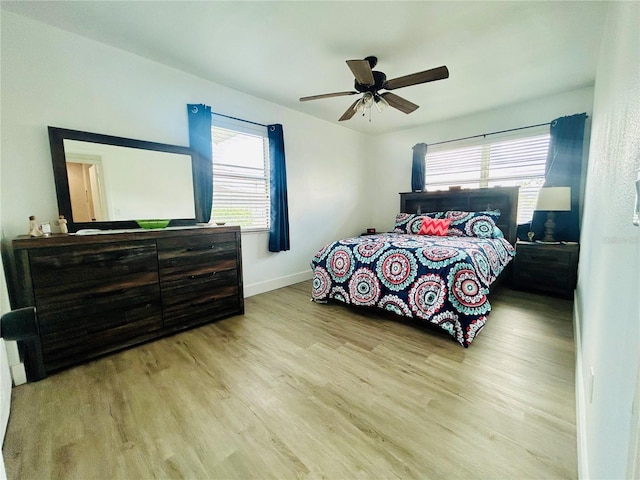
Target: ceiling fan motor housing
379 80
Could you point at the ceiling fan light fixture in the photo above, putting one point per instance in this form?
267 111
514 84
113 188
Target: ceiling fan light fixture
365 103
380 103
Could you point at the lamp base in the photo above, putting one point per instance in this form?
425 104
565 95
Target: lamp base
549 227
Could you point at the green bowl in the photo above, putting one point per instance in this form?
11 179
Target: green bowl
149 224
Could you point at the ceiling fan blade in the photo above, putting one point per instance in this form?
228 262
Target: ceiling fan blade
362 71
439 73
350 112
398 102
326 95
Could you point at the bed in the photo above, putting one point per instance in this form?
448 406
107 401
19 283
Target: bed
422 270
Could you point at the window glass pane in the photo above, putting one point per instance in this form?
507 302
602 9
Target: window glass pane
506 162
238 149
467 164
522 158
527 196
240 176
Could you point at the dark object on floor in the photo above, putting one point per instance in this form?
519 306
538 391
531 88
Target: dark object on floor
21 325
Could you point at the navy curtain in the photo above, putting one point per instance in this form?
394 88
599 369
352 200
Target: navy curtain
279 229
200 142
564 169
417 167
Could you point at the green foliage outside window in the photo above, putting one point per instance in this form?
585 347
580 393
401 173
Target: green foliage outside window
232 216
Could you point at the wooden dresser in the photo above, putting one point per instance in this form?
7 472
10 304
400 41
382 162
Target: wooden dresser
95 294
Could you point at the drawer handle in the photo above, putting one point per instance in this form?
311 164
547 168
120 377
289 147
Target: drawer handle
202 275
93 296
199 249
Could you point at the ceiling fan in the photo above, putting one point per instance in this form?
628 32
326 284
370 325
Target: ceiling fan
369 82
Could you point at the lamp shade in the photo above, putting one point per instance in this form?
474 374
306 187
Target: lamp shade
554 199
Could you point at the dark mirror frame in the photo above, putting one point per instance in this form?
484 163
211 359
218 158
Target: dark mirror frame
56 142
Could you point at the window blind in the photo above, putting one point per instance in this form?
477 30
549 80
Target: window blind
240 174
500 162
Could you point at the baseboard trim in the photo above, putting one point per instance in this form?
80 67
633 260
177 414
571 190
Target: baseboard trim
581 398
267 286
16 366
18 374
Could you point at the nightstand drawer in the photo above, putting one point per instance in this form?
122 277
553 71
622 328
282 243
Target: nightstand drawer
547 278
547 258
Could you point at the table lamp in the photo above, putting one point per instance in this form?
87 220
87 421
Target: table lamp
551 200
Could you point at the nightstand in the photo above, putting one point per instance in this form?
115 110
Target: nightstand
546 267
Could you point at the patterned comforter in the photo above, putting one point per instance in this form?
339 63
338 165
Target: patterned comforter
442 280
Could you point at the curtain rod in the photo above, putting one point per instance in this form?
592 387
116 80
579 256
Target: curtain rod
492 133
239 119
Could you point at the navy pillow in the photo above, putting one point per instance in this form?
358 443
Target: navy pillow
473 224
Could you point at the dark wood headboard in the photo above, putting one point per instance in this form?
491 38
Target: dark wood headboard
504 199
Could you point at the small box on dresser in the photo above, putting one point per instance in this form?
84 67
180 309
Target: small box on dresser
546 267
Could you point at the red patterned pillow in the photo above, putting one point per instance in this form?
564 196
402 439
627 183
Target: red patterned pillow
435 226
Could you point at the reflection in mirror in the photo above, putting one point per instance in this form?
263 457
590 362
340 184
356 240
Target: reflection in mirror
113 183
109 182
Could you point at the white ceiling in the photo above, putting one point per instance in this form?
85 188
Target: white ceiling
497 52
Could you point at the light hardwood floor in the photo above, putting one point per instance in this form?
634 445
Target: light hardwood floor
294 389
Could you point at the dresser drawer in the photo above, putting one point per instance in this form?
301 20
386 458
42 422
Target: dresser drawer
203 302
69 340
67 265
197 250
210 282
191 273
95 296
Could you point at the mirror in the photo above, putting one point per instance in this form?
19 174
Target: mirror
109 182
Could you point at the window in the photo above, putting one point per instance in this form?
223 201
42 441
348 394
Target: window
240 173
503 162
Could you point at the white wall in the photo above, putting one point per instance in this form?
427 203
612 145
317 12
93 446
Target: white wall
608 293
51 77
391 165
